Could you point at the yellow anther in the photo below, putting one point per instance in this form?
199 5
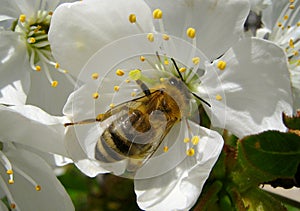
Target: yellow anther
186 140
100 117
56 65
10 181
95 95
296 53
9 171
31 40
127 81
22 18
279 24
54 83
196 60
116 88
142 58
221 65
157 14
135 74
195 140
219 97
95 76
133 94
182 69
292 6
166 61
298 24
120 72
291 43
111 105
291 1
190 152
162 80
38 188
150 37
166 37
12 205
132 18
65 71
191 32
285 17
166 148
38 68
50 13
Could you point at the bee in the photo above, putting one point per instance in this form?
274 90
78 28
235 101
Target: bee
140 125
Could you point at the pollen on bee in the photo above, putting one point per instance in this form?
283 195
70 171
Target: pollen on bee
195 140
196 60
132 18
221 65
100 117
120 72
150 37
38 188
166 148
133 94
95 95
190 152
116 88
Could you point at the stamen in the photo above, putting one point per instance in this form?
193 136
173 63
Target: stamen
116 88
219 97
195 140
133 94
150 37
95 95
221 65
292 6
27 177
186 140
6 191
112 105
38 68
54 83
22 18
31 40
166 148
190 152
166 37
157 14
182 69
291 43
120 72
95 76
191 33
132 18
196 60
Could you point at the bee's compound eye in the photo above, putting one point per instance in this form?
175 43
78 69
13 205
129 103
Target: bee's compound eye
173 81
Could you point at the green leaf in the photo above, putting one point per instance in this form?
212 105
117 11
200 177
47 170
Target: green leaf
267 157
292 122
257 199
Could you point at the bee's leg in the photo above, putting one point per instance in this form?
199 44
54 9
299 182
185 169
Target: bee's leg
144 87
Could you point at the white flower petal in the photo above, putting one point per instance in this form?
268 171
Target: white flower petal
179 188
29 125
258 5
256 87
14 70
52 195
213 20
90 25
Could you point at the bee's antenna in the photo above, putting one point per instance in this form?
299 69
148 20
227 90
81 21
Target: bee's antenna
199 98
177 69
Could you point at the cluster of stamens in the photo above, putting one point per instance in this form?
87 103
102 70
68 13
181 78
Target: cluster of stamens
285 33
35 33
10 170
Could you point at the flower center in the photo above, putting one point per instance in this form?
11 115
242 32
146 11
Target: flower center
34 31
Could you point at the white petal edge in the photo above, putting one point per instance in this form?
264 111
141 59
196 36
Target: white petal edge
97 24
180 188
256 85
